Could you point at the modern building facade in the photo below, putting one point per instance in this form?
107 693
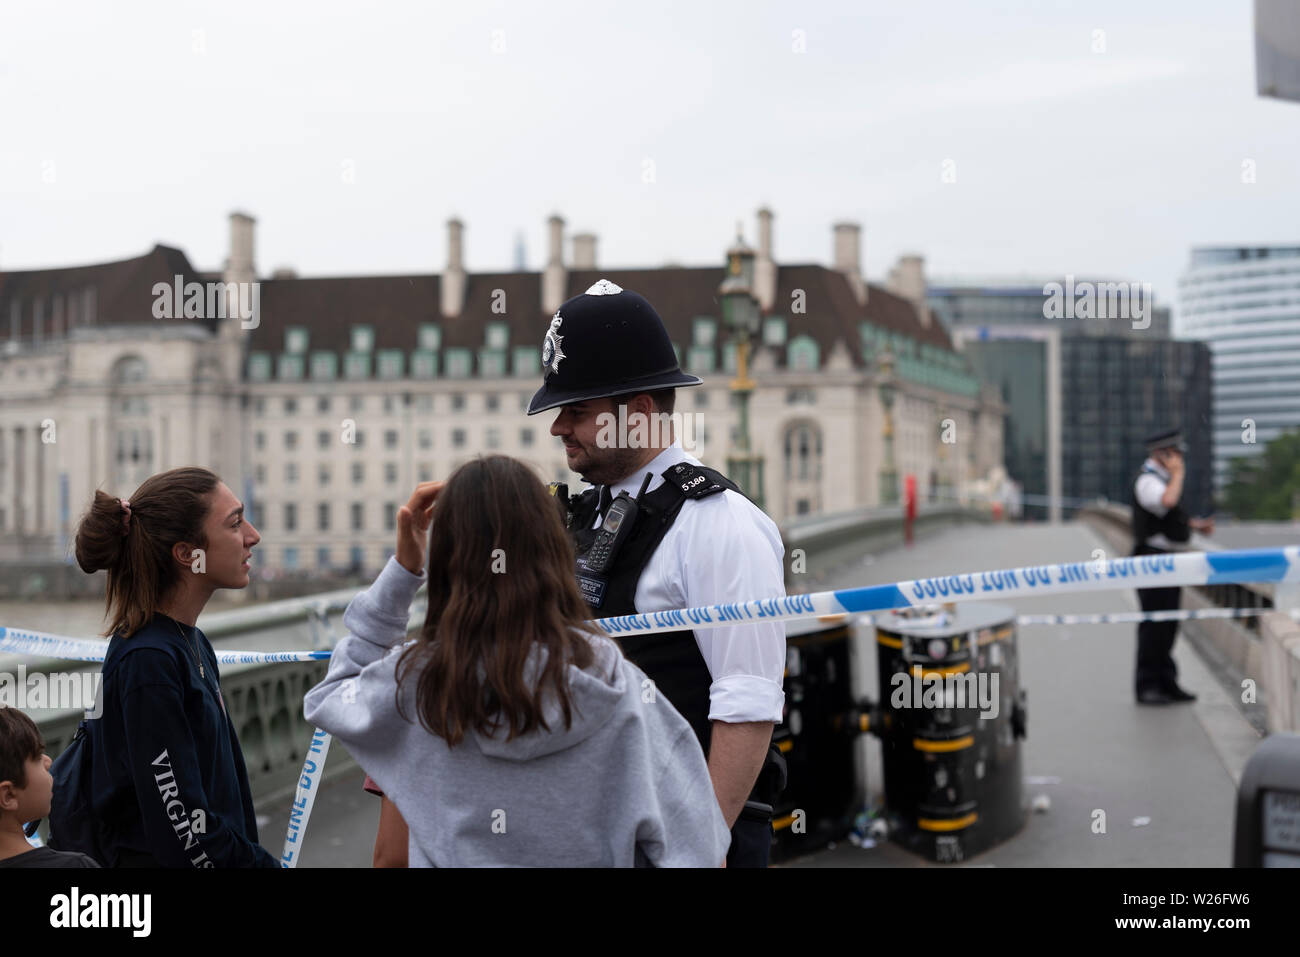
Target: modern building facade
1245 303
325 401
1084 383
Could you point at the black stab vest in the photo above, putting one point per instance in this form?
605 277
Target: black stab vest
1173 524
672 660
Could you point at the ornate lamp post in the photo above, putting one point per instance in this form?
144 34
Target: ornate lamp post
740 312
888 390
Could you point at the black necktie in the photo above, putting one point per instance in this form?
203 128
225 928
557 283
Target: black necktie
606 499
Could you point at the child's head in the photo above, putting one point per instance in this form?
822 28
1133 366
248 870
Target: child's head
25 783
501 579
181 526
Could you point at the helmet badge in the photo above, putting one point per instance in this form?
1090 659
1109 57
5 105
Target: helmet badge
551 351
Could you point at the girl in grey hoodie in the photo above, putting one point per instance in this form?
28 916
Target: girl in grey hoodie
510 732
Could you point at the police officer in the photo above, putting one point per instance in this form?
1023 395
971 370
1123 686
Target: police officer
1159 526
657 530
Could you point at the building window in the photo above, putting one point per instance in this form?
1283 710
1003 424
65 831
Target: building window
700 360
491 363
323 517
290 516
356 556
290 406
357 365
357 403
424 402
291 472
390 364
430 337
390 473
259 475
426 438
390 516
295 340
774 331
527 362
526 438
358 473
291 440
704 331
458 438
323 475
324 365
803 452
259 366
390 438
426 472
363 338
291 559
358 516
290 368
459 362
390 403
259 440
803 354
701 399
498 334
323 404
322 558
424 365
492 402
457 402
494 438
323 439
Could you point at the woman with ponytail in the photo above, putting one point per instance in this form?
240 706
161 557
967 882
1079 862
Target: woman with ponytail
168 783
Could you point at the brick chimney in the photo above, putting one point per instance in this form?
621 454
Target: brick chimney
764 264
848 258
453 277
907 279
555 277
584 251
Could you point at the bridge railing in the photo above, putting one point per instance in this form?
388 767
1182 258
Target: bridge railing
1265 648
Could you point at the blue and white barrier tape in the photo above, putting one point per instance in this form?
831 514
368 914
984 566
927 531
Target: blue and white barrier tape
1143 571
20 641
305 797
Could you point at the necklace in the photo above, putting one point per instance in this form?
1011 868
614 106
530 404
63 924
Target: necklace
194 645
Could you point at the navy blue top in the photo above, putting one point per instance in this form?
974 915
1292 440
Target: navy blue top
168 778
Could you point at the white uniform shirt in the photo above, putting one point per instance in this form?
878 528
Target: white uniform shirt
1149 491
720 549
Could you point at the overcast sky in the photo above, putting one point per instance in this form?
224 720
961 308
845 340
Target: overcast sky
353 131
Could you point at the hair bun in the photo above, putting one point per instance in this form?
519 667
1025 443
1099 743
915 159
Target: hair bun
100 540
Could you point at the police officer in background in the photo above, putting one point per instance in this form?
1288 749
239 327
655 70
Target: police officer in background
1159 526
656 530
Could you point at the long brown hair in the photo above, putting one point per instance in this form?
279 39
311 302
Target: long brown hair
501 579
167 508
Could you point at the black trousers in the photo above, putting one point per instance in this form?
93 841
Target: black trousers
1156 670
751 841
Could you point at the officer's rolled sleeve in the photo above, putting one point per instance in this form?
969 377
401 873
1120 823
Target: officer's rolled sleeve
733 552
1150 493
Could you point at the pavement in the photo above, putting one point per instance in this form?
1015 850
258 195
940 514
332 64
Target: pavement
1165 777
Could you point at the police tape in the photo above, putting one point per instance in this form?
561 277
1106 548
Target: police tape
20 641
1129 617
305 797
1143 571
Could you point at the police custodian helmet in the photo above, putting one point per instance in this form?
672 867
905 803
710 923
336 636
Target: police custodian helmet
606 342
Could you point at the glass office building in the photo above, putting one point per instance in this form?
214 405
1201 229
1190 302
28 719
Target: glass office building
1245 302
